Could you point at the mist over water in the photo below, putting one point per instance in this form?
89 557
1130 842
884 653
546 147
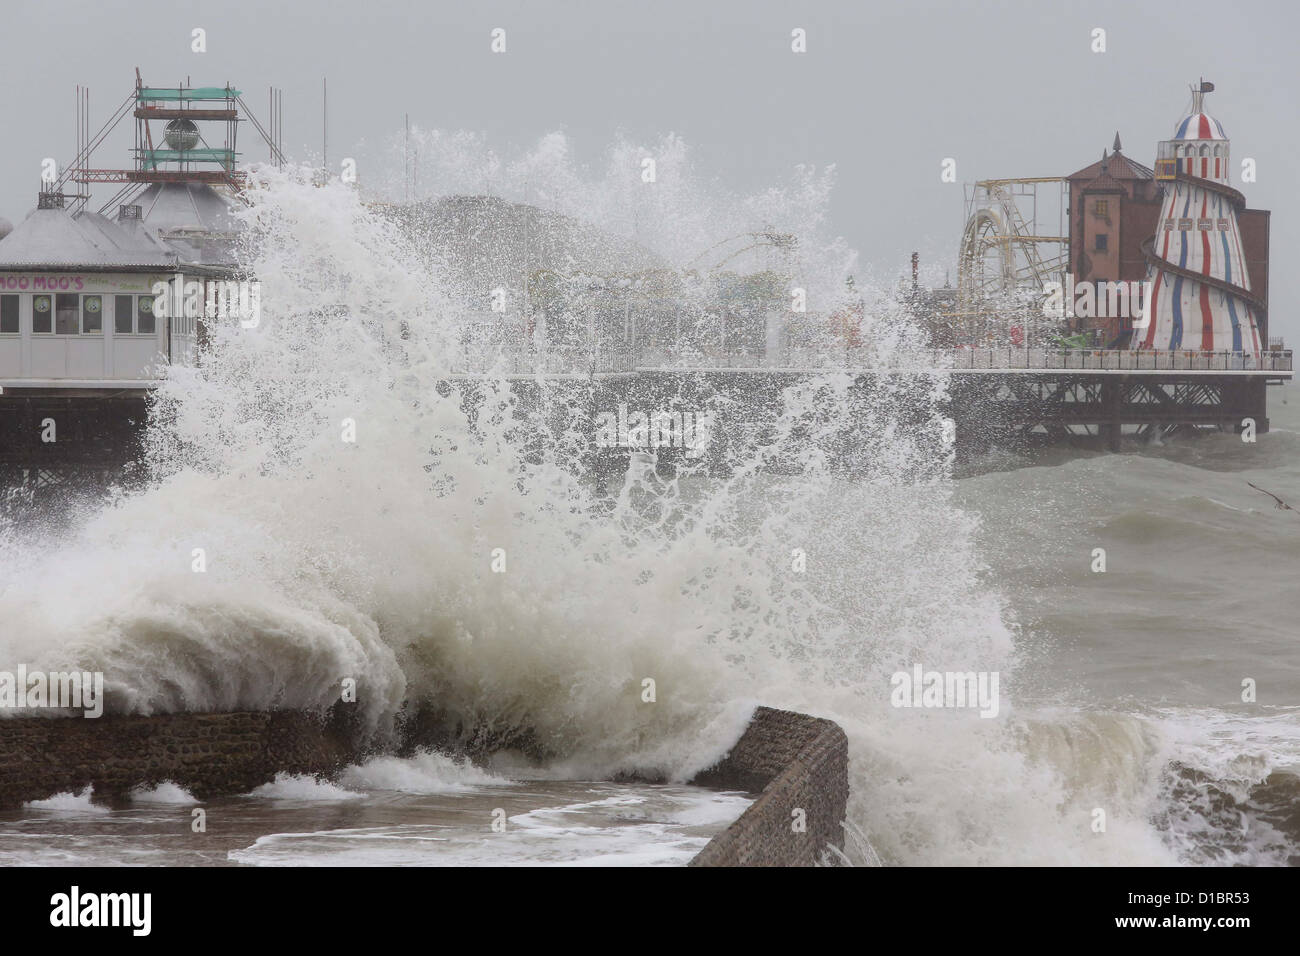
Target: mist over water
372 559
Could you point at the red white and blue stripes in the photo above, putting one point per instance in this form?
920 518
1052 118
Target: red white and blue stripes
1198 234
1200 126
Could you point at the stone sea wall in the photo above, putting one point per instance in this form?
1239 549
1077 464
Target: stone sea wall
799 765
207 754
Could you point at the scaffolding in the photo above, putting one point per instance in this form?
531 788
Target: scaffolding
181 153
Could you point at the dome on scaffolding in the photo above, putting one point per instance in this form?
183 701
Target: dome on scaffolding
182 134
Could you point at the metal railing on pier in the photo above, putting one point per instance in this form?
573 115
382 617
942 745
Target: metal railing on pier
519 364
624 361
1119 360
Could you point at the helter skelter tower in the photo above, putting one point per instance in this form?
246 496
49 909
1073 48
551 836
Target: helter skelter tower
1201 296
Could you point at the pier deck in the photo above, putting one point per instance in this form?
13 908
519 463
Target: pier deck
996 397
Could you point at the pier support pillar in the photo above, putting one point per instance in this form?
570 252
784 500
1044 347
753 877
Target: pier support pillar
1112 427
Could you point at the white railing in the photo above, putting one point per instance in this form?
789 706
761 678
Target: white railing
519 363
614 361
1116 359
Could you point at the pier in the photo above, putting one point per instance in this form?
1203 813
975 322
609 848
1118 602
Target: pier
84 337
83 331
59 434
997 396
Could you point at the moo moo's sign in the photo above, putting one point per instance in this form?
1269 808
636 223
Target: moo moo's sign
74 282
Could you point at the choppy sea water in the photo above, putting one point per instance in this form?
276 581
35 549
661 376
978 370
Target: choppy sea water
1137 674
806 588
423 811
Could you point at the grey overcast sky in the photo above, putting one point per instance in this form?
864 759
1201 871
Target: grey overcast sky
885 92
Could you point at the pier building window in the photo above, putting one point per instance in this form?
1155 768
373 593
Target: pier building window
133 315
8 314
92 314
1101 208
144 318
123 314
42 314
1103 241
67 313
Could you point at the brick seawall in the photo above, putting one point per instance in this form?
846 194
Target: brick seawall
796 763
207 754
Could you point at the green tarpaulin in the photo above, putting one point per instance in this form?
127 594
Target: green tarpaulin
189 155
158 94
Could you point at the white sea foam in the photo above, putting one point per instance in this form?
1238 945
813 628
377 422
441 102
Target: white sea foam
619 825
165 793
426 772
302 788
69 803
372 560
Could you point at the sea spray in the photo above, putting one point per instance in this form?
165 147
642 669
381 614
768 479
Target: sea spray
828 557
